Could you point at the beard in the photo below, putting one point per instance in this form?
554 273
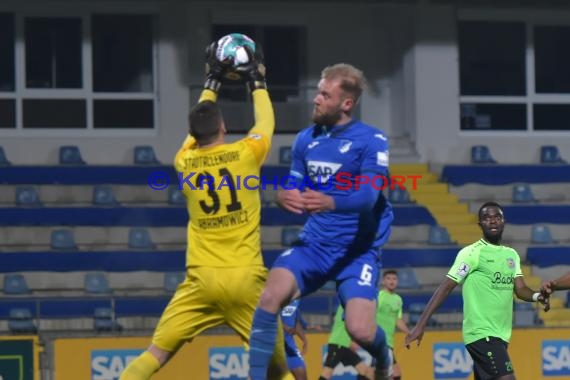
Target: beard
327 119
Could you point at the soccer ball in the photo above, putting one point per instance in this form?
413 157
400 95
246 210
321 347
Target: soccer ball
231 50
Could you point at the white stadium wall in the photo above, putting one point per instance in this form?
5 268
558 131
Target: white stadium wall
409 54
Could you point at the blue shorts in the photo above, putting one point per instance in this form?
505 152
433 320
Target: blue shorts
294 357
314 264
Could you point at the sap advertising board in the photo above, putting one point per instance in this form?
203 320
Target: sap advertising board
108 364
451 361
555 358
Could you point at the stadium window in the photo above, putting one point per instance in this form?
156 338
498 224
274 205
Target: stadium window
552 59
53 52
497 117
283 49
7 71
492 58
85 72
122 53
7 74
513 75
551 117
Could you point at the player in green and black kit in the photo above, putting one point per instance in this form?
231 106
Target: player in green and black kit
389 314
342 350
489 272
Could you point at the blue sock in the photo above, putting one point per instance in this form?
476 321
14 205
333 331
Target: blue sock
379 349
261 343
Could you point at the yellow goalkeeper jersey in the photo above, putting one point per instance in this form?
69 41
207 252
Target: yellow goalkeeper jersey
221 186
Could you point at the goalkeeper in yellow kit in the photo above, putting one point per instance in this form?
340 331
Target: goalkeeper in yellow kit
225 273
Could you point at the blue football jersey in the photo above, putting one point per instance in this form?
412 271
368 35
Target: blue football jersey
331 159
290 314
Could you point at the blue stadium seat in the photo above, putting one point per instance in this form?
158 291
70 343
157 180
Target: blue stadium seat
285 155
172 280
480 154
175 196
398 196
21 321
144 155
540 234
549 154
103 320
329 285
62 239
96 283
27 196
525 318
407 279
289 235
15 284
103 196
522 193
438 236
3 159
415 311
139 238
70 155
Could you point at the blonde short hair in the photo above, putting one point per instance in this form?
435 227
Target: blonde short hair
352 80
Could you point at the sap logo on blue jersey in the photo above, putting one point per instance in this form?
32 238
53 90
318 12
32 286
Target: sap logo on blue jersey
228 363
451 361
109 364
321 170
556 357
342 372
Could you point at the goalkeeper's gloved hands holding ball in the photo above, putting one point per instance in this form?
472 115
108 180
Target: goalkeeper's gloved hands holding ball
215 69
254 70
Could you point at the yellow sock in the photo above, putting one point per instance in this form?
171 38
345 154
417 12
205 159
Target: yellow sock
141 368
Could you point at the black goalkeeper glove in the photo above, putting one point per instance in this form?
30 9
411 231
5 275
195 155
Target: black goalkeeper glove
215 69
253 71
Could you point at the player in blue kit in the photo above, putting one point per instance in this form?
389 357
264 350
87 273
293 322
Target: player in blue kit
346 226
293 324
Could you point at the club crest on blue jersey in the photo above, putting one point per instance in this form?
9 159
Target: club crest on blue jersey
344 146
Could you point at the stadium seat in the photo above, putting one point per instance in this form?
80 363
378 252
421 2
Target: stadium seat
62 239
172 280
415 311
289 235
15 284
103 196
139 238
70 155
3 159
540 234
480 154
549 154
285 155
175 196
525 318
96 283
103 320
144 155
438 236
27 196
522 193
329 285
398 196
407 279
21 321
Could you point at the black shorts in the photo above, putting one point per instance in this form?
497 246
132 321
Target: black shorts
490 358
339 354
